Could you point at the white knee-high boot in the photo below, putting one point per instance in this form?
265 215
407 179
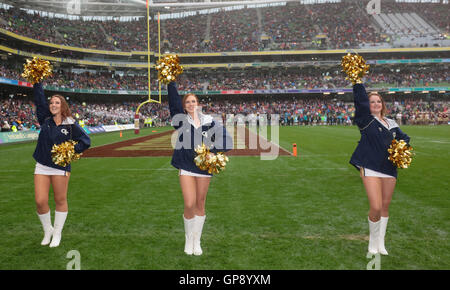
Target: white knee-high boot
383 226
60 219
198 228
188 233
374 238
47 226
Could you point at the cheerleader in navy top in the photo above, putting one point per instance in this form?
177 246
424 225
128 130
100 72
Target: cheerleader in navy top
371 159
194 128
57 126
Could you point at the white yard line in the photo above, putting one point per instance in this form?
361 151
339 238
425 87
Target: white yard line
146 169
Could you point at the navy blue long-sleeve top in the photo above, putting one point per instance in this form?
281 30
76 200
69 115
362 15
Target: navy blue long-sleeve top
52 134
376 138
211 133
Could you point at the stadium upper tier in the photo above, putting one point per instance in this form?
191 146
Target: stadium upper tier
294 26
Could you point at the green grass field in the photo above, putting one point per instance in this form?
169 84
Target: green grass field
308 212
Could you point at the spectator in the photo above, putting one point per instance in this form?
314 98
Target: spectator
293 26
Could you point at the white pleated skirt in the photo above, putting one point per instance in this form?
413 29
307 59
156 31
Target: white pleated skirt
373 173
46 170
185 172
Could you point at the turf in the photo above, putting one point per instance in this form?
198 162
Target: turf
308 212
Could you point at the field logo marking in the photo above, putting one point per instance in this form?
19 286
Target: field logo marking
75 263
375 263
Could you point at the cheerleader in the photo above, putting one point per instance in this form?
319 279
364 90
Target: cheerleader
371 159
194 128
57 126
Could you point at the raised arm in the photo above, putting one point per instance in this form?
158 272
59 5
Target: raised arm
175 106
42 110
361 100
362 105
174 100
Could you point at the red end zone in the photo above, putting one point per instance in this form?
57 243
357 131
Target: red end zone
160 145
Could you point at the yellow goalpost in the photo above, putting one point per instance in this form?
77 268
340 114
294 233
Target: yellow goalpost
150 100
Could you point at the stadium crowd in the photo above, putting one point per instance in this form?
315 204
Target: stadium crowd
294 26
17 114
433 12
336 21
304 78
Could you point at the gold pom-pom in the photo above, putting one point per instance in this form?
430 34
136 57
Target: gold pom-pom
220 162
205 160
355 67
169 68
200 159
64 153
36 70
400 153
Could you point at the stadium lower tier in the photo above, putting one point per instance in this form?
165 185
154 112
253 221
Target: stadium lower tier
18 112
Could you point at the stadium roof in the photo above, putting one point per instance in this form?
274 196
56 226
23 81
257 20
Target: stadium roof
125 7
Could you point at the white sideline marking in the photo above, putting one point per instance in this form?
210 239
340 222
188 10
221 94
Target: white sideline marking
323 168
317 155
445 142
11 149
138 169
